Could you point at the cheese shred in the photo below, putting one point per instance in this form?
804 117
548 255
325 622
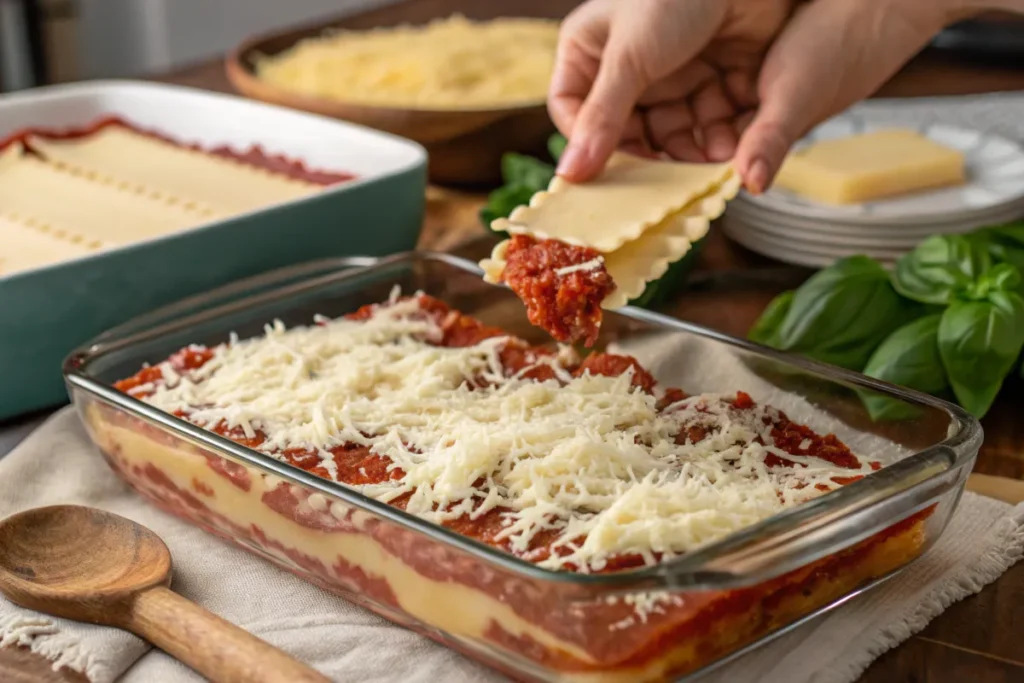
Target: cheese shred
591 457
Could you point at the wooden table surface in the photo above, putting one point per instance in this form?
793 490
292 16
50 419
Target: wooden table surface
976 640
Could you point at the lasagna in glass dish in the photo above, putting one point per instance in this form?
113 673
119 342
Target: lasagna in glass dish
538 510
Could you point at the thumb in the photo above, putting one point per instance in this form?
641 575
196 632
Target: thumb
830 55
797 89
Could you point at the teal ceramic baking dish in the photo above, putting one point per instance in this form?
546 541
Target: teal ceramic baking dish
46 312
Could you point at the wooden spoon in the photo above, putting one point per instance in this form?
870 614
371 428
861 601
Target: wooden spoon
88 565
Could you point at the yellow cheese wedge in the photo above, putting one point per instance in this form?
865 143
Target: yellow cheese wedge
861 168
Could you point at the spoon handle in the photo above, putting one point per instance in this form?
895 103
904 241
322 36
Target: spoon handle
217 649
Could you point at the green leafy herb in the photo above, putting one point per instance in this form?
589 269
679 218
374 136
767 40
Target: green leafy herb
766 329
841 314
502 201
556 145
1000 277
523 176
1005 243
953 323
908 357
519 169
979 342
940 268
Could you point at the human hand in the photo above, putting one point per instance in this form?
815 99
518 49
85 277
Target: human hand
713 80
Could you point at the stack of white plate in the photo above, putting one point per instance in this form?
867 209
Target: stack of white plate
794 230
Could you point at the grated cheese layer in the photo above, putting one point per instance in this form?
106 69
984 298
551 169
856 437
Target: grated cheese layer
589 458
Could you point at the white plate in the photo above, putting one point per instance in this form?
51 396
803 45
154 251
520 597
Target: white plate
834 250
1003 214
780 254
801 253
825 239
995 177
822 230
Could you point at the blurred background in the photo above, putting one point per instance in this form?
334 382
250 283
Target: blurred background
54 41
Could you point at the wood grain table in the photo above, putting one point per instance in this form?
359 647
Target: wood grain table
976 640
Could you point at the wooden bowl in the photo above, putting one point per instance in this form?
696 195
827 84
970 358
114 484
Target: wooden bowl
465 145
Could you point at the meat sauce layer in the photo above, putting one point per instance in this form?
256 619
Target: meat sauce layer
356 464
253 156
561 285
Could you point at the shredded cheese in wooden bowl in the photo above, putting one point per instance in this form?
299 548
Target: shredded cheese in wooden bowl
451 63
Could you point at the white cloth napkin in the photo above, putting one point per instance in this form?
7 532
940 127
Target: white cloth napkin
57 464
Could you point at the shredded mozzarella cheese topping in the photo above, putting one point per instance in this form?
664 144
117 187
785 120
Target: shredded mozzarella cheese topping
451 63
590 457
592 264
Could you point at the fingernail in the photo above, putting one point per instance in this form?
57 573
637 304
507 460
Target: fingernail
569 162
720 150
720 146
757 176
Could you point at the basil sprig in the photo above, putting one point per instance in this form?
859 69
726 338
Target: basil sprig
522 177
1005 243
940 267
838 316
979 341
951 322
765 330
908 357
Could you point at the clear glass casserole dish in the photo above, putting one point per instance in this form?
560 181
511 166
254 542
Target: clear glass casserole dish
668 621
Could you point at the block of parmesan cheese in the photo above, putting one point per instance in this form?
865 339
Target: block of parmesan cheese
876 165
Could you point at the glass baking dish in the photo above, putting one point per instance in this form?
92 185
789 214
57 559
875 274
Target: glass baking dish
665 622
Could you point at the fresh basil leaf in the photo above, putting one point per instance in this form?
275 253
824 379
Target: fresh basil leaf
1009 254
979 342
767 326
1007 232
1004 277
519 169
1005 243
1001 277
908 357
556 145
841 314
503 201
941 267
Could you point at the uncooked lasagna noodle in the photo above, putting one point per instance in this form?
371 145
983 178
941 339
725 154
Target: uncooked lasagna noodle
117 154
640 214
70 202
68 192
23 246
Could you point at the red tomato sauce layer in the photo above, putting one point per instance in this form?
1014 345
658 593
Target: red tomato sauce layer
253 156
356 464
565 303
